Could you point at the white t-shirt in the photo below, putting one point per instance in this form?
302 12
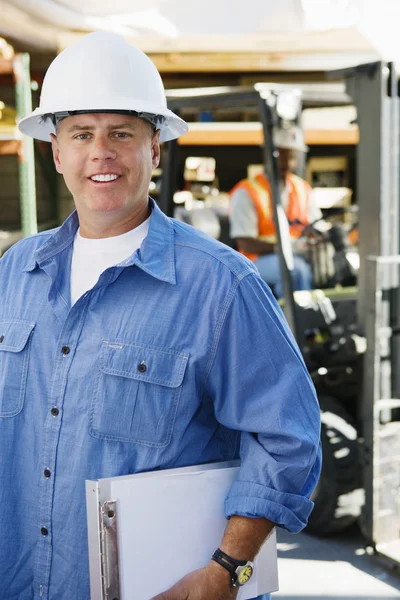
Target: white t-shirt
91 257
244 218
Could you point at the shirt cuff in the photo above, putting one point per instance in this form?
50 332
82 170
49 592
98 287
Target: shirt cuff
289 511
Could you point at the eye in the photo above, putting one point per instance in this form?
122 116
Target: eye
122 134
82 136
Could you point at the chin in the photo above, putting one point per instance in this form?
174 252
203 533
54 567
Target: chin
106 206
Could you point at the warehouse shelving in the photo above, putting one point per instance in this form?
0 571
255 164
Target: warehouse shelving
251 134
11 143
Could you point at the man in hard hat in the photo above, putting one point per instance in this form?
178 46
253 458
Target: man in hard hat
130 342
251 216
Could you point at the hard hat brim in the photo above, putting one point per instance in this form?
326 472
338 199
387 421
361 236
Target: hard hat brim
36 124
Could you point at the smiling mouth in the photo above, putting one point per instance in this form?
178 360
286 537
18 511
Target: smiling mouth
104 178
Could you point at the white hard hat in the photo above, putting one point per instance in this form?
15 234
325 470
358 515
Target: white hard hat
102 73
290 138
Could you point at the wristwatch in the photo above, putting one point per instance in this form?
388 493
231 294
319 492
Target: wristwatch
240 570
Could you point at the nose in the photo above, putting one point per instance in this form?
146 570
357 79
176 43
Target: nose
102 149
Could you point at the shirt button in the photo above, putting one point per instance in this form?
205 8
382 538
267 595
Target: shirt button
1 339
65 350
54 412
44 531
47 473
142 368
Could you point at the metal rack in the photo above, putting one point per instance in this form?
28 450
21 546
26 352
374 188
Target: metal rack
22 147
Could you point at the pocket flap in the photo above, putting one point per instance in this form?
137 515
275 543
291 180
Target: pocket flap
14 334
161 366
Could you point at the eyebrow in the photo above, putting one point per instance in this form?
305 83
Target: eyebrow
75 128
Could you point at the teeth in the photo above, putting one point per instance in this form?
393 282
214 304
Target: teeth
104 177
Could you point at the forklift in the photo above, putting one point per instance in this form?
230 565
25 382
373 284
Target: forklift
349 336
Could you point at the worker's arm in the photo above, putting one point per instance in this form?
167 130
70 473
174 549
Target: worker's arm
260 386
242 540
244 537
254 246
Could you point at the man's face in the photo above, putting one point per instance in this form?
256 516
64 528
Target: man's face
287 162
123 148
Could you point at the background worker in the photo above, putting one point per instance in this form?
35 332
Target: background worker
107 365
251 216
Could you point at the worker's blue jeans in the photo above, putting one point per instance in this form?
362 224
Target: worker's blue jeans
269 269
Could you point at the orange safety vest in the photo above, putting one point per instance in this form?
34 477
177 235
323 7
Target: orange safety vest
259 190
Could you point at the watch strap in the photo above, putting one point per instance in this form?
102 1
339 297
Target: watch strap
229 563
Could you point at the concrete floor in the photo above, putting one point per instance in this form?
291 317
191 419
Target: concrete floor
336 568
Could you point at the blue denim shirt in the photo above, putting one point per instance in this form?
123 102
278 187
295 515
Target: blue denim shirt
161 364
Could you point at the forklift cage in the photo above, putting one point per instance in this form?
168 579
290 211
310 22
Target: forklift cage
263 97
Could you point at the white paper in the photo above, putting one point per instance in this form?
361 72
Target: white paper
169 523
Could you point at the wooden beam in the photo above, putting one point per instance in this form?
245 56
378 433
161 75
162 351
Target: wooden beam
254 62
209 62
230 53
251 134
6 66
349 40
332 137
8 147
222 137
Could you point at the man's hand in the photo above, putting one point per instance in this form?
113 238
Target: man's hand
243 539
213 582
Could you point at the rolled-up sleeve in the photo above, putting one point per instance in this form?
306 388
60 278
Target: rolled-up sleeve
260 386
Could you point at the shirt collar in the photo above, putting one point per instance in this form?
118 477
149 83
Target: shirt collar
156 255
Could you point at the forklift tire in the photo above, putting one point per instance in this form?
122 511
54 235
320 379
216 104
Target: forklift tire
338 496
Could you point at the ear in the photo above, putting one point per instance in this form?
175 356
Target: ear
56 152
155 149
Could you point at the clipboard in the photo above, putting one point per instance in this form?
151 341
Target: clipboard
147 530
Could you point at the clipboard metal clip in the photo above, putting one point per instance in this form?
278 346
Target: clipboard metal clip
109 550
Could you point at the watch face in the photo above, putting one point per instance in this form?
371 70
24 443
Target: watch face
245 574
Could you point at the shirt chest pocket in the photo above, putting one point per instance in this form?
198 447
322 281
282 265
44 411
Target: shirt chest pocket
137 393
14 361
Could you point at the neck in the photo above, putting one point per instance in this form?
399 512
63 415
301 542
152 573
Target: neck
107 225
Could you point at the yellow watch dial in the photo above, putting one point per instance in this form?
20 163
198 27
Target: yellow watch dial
245 574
